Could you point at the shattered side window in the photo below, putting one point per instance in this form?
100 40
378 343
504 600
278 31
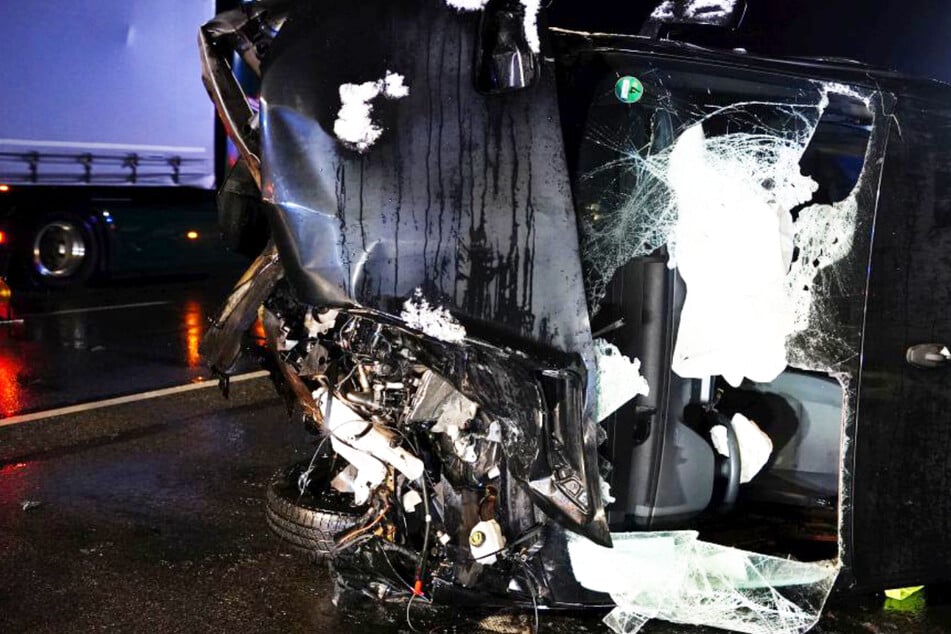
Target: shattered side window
756 187
759 190
624 183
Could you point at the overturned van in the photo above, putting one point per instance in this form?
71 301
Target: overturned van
587 320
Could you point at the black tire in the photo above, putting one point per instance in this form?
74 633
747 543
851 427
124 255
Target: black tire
62 252
306 522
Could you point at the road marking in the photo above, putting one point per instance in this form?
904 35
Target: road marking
93 309
132 398
190 149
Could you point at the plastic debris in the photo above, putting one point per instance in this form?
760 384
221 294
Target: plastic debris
485 540
913 605
675 577
367 447
435 322
411 499
900 594
29 505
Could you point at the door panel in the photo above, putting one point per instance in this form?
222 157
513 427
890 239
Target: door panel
901 481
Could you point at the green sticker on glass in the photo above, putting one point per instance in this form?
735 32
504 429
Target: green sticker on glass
629 89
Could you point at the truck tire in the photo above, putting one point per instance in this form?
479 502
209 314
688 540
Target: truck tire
306 523
63 252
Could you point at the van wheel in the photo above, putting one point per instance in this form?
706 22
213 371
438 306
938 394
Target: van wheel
63 252
311 521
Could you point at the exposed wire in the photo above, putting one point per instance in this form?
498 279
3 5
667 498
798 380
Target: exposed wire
531 583
424 553
353 533
303 481
397 574
409 605
423 557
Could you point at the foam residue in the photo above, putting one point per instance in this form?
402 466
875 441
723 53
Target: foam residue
436 322
664 11
467 5
531 8
618 379
709 9
713 11
733 245
718 435
354 125
755 447
531 24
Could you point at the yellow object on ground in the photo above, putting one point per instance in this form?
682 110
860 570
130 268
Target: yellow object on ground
900 594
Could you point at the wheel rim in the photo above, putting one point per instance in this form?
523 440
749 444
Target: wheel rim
58 250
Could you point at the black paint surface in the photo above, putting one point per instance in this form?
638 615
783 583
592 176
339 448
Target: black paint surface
464 195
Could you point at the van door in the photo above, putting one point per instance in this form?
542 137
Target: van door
901 476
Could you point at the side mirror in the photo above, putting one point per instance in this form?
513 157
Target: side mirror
504 60
725 14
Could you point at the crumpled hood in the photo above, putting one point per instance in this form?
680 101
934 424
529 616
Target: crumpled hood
462 195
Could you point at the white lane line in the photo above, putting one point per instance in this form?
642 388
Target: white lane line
132 398
95 309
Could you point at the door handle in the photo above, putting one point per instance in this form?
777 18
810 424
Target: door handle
929 355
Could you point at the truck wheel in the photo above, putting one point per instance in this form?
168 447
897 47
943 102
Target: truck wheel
306 522
63 252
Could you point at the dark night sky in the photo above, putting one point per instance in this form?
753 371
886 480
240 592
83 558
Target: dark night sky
913 36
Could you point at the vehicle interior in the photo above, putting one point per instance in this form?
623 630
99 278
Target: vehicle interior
665 472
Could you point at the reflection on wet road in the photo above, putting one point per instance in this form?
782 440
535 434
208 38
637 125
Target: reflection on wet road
149 516
103 342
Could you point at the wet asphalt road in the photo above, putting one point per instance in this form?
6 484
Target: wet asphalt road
150 518
105 341
150 515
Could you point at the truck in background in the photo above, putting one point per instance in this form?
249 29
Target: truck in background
107 142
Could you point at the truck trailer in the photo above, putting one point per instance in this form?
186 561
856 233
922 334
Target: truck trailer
107 142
